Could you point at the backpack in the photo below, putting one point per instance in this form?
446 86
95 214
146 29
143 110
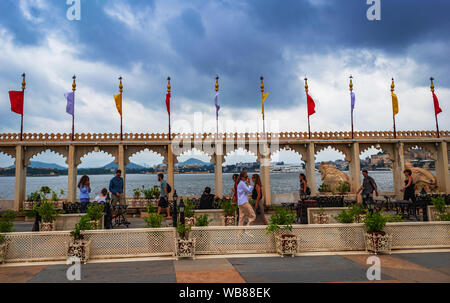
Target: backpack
169 188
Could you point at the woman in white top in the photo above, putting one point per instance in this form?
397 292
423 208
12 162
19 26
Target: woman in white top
245 209
102 196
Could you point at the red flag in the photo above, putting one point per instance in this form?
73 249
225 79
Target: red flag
437 109
16 98
311 105
168 103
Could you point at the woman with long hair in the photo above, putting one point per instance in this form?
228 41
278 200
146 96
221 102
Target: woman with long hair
85 188
257 195
408 189
304 189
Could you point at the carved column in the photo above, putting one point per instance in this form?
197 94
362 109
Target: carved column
170 170
310 168
20 179
355 167
72 174
442 174
218 160
121 163
398 166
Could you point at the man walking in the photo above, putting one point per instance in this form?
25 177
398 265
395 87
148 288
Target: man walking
245 209
164 196
367 188
116 188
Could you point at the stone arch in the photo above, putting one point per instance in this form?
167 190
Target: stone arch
185 151
341 148
132 150
385 147
32 151
8 151
429 147
296 148
82 151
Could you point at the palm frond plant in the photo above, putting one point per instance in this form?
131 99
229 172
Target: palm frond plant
376 239
95 213
79 247
280 223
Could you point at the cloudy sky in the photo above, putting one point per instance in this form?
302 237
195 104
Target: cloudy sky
193 41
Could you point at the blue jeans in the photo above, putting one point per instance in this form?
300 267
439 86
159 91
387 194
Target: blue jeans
84 203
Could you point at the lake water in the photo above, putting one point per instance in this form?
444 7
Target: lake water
185 184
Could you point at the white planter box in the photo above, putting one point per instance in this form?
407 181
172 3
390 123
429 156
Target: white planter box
79 249
378 242
185 248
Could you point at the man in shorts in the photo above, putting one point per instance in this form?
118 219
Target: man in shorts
164 196
367 188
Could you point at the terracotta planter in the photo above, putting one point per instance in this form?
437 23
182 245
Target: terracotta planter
321 218
189 221
47 226
185 248
229 220
79 249
287 244
3 248
378 242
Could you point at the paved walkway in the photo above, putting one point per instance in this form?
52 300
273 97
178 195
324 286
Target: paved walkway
399 267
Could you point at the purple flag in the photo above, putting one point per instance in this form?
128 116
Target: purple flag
352 94
70 102
217 106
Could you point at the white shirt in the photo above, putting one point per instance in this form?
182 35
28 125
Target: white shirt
242 192
100 199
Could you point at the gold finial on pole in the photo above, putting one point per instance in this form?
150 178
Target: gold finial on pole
24 84
432 84
392 86
120 85
74 84
217 83
306 84
351 83
168 84
262 84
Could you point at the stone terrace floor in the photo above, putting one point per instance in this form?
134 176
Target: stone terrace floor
401 266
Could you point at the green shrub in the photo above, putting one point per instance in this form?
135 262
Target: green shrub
47 211
324 188
442 211
189 208
228 207
151 208
375 222
282 218
95 211
351 215
202 220
183 231
343 188
396 218
34 196
6 226
84 224
136 192
153 220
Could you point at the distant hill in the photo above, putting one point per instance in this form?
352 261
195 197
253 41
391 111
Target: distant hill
37 164
193 161
130 165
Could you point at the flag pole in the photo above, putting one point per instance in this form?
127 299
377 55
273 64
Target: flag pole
306 90
435 114
121 108
393 115
21 116
262 96
74 88
351 101
168 91
217 113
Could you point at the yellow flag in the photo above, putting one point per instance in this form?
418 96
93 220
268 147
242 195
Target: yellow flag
264 97
394 104
118 99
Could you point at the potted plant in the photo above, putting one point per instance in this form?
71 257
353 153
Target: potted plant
153 220
229 208
280 224
189 212
354 214
441 212
80 247
376 239
320 217
95 213
32 199
324 188
6 226
184 246
204 235
136 193
48 214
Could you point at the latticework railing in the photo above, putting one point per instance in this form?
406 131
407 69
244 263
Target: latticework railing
144 242
158 137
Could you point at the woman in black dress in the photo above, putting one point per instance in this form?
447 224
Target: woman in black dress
304 189
408 189
257 195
